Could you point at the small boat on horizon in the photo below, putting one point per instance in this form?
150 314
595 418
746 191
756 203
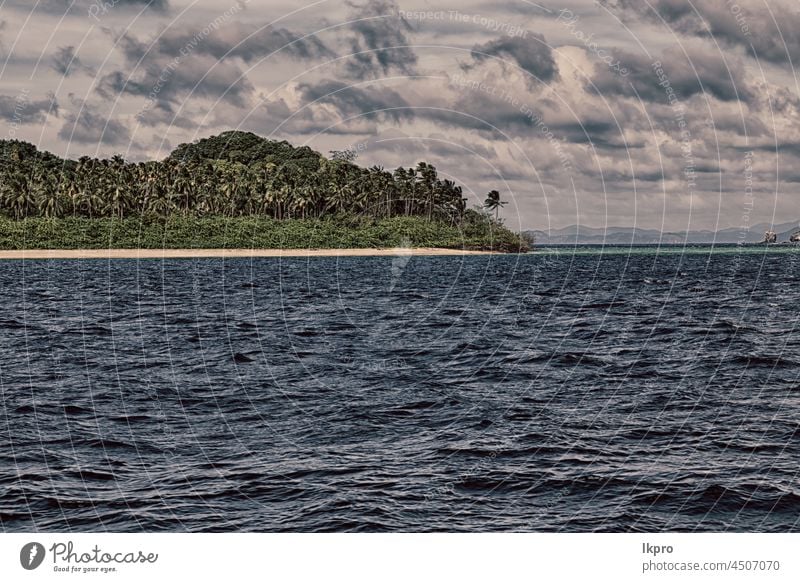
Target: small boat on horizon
771 238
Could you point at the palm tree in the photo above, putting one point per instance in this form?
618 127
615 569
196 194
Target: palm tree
426 180
493 202
406 182
10 189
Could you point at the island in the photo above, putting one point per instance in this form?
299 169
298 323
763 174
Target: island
236 193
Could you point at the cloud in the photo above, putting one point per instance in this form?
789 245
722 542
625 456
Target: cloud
154 4
166 83
156 114
602 133
531 53
369 102
764 30
93 8
66 62
86 125
3 26
21 110
379 43
483 111
235 40
699 70
183 61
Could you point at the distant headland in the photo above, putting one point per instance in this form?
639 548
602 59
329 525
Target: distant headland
623 235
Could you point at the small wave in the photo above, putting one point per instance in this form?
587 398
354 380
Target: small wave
491 484
604 305
72 410
752 361
97 330
89 475
131 418
575 358
307 333
23 478
751 448
720 498
100 443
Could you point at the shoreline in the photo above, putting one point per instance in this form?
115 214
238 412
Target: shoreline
43 254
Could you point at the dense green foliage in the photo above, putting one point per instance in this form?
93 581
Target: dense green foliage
182 232
232 189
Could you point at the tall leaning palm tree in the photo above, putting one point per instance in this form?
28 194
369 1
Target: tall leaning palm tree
493 202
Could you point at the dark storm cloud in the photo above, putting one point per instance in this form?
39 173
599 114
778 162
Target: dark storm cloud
66 62
134 49
154 4
487 113
164 114
172 68
166 82
531 53
246 41
185 61
86 125
786 148
765 30
21 110
699 70
525 8
495 110
93 8
2 45
598 133
369 102
379 43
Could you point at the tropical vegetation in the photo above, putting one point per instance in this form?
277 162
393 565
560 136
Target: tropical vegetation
234 189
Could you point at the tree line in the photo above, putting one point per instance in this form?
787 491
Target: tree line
234 174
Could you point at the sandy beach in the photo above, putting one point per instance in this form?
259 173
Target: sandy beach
31 254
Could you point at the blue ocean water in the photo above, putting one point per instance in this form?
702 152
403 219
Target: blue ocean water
638 390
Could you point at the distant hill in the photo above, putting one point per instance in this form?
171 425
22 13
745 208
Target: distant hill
243 147
614 235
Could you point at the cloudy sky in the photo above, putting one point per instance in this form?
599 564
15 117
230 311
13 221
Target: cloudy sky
656 113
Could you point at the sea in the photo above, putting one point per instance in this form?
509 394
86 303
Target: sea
572 389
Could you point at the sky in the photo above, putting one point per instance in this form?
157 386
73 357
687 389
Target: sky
664 114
